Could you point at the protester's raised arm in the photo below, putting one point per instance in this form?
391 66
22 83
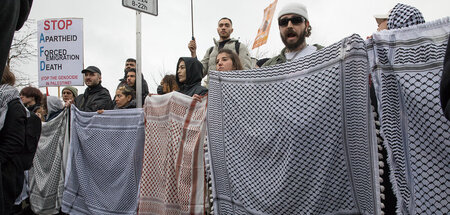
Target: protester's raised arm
193 48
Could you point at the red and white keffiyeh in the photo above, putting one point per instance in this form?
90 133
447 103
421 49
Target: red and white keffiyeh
173 179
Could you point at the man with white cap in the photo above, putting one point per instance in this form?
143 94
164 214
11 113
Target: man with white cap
294 26
382 20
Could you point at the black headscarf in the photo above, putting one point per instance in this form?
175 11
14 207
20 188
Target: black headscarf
194 74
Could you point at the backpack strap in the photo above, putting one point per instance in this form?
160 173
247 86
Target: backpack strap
210 50
237 45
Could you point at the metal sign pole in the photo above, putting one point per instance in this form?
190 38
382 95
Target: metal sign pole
146 6
138 61
192 19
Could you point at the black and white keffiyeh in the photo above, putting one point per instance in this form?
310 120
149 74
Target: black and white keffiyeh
105 162
406 69
402 16
295 138
47 174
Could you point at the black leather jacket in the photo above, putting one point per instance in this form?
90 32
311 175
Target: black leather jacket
93 99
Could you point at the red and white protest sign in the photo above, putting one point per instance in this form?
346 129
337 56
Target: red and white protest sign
60 52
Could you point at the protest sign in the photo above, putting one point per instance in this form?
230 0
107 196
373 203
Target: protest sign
263 31
60 52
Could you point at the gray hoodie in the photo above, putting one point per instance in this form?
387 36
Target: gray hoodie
54 107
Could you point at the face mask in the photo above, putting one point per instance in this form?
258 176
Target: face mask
159 90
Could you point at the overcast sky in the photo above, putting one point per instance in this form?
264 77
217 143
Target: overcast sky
110 29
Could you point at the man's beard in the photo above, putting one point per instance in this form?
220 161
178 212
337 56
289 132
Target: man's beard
92 83
224 36
295 45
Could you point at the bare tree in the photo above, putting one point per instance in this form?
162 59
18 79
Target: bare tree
260 52
23 50
158 76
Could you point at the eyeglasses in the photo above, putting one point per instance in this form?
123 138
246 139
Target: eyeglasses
295 21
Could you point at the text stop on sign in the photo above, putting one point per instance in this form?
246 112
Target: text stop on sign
57 24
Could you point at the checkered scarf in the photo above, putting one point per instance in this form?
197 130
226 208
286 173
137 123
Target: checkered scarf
173 175
105 162
406 69
47 173
403 16
294 138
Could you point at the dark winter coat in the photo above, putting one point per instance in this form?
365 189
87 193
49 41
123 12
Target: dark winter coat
145 91
132 104
445 83
12 135
93 99
34 108
192 84
12 144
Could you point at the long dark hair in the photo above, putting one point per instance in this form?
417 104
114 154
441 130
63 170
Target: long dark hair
237 65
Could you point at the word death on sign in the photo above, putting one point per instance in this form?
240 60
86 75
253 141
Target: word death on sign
47 67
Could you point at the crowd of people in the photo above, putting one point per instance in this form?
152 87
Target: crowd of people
226 54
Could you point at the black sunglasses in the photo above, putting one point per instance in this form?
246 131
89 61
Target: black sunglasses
295 21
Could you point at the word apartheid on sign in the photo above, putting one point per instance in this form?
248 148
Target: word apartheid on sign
60 52
263 31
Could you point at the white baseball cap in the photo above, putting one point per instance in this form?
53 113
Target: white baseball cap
381 17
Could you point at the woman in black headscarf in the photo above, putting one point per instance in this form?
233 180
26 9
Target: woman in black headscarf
189 77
